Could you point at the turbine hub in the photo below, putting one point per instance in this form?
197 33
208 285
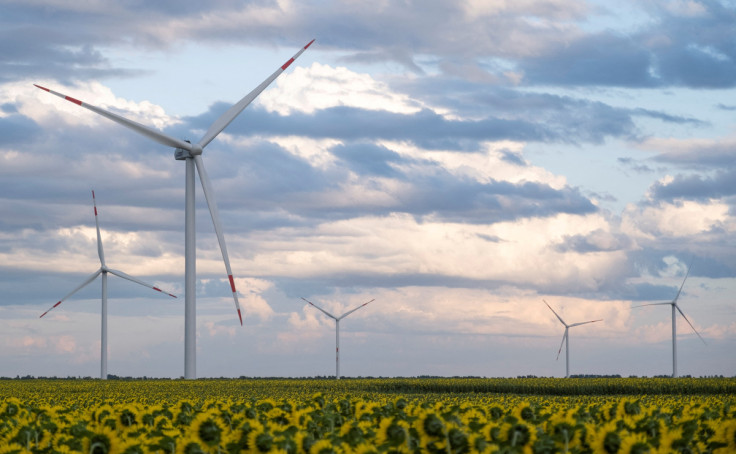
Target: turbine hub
180 154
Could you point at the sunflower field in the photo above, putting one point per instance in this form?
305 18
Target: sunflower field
368 416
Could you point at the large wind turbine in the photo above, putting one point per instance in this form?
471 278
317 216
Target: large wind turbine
674 305
566 338
337 331
191 153
104 270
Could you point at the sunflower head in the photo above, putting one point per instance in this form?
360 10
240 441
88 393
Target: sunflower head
207 428
458 439
129 416
323 447
431 425
101 440
392 432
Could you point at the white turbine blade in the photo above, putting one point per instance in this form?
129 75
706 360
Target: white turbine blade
151 133
652 304
584 323
100 252
215 214
350 312
688 322
138 281
226 118
561 344
84 284
553 311
320 309
683 283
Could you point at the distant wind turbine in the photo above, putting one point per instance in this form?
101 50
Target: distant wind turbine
674 305
191 154
104 270
337 331
566 338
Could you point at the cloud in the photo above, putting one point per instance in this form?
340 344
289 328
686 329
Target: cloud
442 159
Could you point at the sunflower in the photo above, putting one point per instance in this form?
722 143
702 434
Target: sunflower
498 433
728 432
393 432
189 445
365 448
129 416
12 448
604 438
457 438
521 434
634 443
479 444
260 440
131 447
101 440
667 438
207 428
523 411
474 419
11 408
324 447
430 425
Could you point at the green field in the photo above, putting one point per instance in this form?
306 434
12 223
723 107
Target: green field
535 415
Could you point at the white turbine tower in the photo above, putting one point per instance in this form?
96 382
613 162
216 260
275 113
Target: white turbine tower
337 331
104 270
191 153
674 305
566 338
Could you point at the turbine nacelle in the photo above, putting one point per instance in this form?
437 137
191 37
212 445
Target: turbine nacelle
181 154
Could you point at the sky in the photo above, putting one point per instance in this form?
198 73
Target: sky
458 162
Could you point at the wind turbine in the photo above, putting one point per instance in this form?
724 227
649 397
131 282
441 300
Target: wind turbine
337 331
191 153
104 270
566 338
674 305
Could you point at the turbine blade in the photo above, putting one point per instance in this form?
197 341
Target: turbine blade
688 322
561 344
584 323
138 281
683 283
320 309
215 214
84 284
149 132
553 311
652 304
100 252
226 118
350 312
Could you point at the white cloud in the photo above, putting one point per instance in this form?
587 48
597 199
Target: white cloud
323 86
51 111
314 151
676 220
525 253
485 165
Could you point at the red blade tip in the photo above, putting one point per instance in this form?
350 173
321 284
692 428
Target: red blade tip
309 44
42 88
240 317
